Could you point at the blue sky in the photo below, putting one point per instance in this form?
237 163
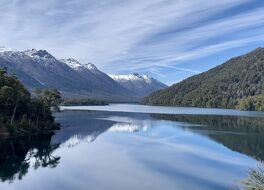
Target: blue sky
167 39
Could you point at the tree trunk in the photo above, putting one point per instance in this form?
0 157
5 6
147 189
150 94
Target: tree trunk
22 119
13 150
37 121
13 116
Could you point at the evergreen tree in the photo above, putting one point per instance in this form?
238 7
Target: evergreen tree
19 112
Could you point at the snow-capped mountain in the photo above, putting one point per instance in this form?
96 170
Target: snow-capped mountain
40 69
96 77
141 84
76 65
39 54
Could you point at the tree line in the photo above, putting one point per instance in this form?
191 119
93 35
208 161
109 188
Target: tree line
80 101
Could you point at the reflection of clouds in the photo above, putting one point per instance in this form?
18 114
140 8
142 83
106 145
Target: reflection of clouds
129 127
187 160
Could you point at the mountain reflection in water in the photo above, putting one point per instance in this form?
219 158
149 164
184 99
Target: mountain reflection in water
240 134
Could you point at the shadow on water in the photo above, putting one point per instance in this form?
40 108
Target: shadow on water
17 155
241 134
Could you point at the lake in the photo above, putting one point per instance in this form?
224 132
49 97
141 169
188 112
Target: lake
124 146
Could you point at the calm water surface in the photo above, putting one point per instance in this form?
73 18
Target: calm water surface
117 148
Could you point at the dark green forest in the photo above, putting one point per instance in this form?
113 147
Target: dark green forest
238 83
82 102
22 113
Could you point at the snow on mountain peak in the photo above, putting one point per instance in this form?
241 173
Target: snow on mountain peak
132 77
90 66
73 63
76 65
141 84
4 49
38 54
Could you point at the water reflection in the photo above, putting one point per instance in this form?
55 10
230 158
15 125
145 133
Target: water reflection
241 134
18 154
80 127
114 150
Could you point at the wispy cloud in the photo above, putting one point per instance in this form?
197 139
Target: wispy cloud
133 35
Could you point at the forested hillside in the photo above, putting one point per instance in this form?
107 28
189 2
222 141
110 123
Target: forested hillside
238 83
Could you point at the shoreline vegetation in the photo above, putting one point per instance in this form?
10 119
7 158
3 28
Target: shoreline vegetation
83 102
252 103
22 113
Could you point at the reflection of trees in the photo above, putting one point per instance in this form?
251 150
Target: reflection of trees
18 154
241 134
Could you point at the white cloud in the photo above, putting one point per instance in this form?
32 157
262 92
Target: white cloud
120 35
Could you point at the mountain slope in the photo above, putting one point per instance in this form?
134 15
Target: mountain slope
142 85
44 68
96 78
222 86
39 69
25 78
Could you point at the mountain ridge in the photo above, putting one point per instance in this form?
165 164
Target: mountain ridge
48 72
40 69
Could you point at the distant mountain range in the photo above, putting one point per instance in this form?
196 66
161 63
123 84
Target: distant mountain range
40 69
237 82
141 84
